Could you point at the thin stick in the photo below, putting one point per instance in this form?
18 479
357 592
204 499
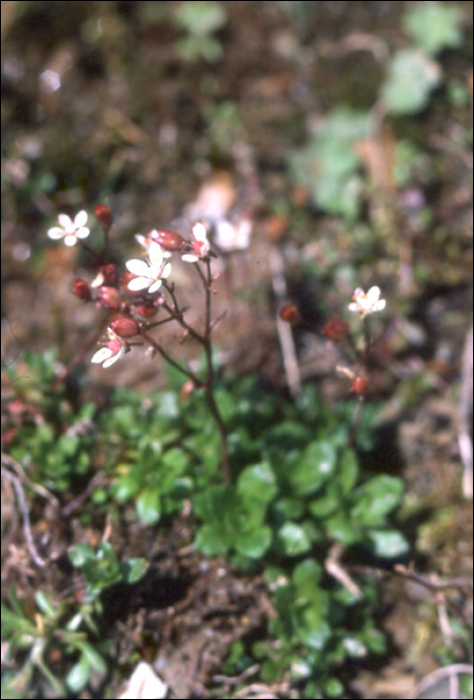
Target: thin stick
290 360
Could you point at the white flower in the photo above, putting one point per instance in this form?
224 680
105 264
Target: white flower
70 230
149 275
200 246
114 350
233 235
367 303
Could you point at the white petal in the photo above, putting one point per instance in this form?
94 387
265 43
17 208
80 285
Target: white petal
166 271
190 258
70 240
55 233
138 284
154 287
98 281
142 240
380 305
373 294
199 232
66 223
155 254
137 267
353 307
114 358
82 232
101 355
80 219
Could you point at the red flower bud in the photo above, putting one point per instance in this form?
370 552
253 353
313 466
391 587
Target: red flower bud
125 326
169 240
147 310
336 329
82 290
359 385
110 298
104 217
290 314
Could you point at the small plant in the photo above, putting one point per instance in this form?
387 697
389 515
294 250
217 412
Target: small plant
132 297
200 20
61 633
330 165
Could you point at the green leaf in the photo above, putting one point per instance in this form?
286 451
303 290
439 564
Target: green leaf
341 528
201 17
94 659
333 688
257 483
133 569
175 459
79 675
126 486
293 539
313 629
306 577
79 554
377 498
313 468
44 603
149 505
328 166
288 509
412 75
348 471
212 540
254 544
322 507
388 543
435 25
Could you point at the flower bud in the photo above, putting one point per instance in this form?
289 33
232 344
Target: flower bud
146 310
110 298
336 329
104 217
125 326
359 385
186 390
290 314
110 274
169 240
82 290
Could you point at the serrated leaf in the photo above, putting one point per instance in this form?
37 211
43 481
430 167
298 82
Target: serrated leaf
257 483
212 540
376 498
254 544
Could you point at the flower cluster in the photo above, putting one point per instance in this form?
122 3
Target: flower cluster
132 296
